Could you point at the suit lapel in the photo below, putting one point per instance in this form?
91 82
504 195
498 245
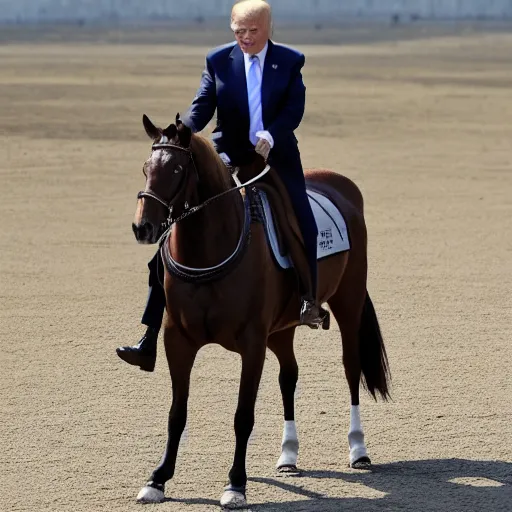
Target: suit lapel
238 80
269 75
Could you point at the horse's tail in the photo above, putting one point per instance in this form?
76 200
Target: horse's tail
372 353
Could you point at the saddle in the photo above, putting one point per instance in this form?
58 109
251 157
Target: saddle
290 241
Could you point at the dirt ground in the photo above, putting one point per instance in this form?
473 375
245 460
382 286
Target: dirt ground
424 126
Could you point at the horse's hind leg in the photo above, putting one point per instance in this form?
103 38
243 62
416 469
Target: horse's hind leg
347 306
180 357
281 343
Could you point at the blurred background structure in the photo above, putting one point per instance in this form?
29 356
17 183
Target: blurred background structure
29 11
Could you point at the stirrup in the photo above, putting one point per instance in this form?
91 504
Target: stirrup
313 315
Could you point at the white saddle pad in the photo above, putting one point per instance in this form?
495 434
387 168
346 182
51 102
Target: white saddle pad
332 229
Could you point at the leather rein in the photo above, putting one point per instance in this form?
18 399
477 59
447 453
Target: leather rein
183 272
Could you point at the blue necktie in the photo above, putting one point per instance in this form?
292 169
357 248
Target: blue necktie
254 93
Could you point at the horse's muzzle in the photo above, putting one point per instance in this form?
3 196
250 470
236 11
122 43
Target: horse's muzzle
144 233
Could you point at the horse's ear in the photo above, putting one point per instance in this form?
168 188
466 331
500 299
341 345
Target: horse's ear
153 132
184 135
170 132
178 120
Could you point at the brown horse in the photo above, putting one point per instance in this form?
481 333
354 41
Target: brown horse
209 254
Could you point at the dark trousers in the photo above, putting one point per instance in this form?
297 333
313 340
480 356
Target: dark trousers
295 183
155 305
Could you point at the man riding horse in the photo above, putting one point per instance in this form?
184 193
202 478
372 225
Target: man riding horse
257 89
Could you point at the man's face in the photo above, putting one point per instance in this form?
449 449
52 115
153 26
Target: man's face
251 34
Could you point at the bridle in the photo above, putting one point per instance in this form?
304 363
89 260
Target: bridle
181 189
168 205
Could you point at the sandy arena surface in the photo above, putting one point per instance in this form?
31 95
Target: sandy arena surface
423 126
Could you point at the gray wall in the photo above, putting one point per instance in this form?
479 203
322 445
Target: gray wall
33 10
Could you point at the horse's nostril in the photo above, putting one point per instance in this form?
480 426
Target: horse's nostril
142 231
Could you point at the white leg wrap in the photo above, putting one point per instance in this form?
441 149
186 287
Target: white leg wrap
356 436
150 495
289 445
233 500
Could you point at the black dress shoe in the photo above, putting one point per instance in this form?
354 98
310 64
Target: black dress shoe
313 315
144 353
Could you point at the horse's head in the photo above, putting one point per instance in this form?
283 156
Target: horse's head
170 178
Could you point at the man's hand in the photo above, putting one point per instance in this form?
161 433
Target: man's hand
263 148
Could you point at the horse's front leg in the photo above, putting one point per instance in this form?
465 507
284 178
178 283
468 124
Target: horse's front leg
180 357
253 358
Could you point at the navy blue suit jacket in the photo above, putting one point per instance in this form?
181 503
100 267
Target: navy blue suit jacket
224 88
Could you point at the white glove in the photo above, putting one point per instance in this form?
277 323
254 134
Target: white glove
263 148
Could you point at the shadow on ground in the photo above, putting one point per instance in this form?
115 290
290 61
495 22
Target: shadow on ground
421 486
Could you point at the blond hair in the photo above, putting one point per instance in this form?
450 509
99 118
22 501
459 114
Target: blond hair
247 9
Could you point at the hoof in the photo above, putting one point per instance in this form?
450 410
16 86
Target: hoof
232 500
288 470
362 463
150 495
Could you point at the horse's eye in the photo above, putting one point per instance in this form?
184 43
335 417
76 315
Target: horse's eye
178 169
